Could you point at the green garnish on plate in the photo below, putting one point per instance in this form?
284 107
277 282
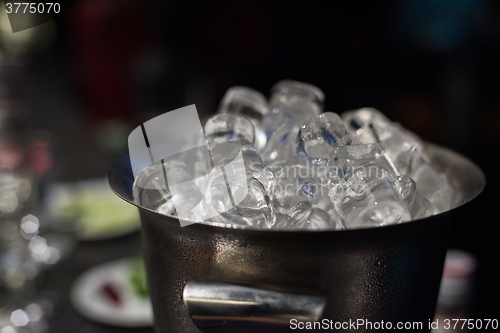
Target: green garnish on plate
138 278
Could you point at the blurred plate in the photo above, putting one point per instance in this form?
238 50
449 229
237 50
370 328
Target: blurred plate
94 211
89 299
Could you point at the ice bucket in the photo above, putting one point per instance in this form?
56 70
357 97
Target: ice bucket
215 279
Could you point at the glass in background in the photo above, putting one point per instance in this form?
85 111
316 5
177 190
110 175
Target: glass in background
456 292
28 244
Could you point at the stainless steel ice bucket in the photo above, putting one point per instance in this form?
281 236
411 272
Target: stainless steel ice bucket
205 278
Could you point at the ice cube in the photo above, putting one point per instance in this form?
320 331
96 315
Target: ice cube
228 127
369 196
404 149
185 193
196 159
433 186
223 154
368 125
166 186
244 202
257 208
320 135
359 123
418 206
226 188
292 103
243 101
430 184
281 147
344 158
338 164
228 136
236 190
407 160
305 216
297 183
150 189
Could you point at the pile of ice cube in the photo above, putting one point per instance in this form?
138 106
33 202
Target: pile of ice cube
285 164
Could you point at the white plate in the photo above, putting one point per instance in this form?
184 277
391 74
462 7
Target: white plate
88 299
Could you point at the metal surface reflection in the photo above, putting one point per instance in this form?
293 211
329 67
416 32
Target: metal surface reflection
212 303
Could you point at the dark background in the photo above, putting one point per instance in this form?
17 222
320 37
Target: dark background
433 66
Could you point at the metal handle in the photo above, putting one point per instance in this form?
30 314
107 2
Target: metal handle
219 304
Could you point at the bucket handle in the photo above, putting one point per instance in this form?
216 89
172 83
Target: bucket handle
220 304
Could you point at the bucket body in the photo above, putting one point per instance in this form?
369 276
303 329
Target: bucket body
390 274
